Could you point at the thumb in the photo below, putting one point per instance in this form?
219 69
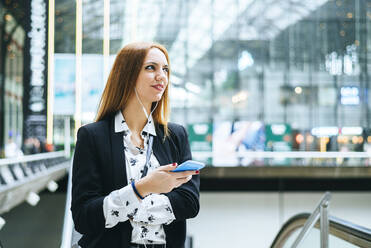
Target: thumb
168 167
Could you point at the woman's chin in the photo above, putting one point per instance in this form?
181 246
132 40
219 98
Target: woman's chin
153 98
157 98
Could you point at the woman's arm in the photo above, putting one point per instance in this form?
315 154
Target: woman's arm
87 193
121 205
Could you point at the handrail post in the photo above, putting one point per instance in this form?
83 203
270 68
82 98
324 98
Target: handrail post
68 225
319 212
324 224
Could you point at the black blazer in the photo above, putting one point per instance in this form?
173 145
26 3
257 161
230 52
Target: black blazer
99 169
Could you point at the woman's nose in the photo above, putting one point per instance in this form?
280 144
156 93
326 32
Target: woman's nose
161 76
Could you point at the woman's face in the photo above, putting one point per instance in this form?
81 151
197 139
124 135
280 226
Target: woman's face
153 77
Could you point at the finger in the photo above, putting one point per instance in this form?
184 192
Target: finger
188 178
184 174
183 180
168 167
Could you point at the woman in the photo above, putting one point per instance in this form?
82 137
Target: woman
121 196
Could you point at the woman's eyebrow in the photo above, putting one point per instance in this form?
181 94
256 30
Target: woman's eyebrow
151 62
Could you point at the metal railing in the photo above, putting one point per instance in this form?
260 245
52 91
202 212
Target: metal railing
22 178
293 154
342 233
303 158
350 234
68 232
321 212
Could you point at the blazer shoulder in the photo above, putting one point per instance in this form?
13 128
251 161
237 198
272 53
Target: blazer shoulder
94 128
177 129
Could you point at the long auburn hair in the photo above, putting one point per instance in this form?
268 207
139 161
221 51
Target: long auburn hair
122 79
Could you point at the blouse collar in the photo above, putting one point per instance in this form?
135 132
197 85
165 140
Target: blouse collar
121 125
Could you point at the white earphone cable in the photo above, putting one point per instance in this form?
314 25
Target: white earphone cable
144 109
145 112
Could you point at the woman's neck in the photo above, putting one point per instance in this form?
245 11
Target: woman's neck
134 115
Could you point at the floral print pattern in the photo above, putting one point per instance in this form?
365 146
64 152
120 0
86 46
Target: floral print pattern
147 216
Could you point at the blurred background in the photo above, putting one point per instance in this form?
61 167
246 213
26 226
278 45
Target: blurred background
274 95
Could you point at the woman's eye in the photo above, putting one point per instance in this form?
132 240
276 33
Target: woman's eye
151 67
166 70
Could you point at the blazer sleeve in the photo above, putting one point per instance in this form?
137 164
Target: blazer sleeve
87 195
185 199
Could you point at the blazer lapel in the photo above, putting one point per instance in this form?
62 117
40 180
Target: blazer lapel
161 149
118 157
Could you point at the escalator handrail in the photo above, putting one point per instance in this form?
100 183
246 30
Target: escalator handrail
355 234
33 157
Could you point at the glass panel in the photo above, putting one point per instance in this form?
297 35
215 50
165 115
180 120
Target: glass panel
313 240
290 241
92 58
335 242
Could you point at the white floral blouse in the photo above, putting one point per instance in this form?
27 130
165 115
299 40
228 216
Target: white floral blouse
146 216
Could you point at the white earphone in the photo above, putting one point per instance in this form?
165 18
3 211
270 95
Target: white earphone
143 108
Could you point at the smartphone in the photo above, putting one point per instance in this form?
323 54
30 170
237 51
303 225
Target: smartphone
189 165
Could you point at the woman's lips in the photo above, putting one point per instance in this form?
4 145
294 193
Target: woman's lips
158 87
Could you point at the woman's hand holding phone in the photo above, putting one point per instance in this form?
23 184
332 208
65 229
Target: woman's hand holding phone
163 180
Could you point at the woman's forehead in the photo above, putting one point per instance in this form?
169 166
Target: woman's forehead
155 55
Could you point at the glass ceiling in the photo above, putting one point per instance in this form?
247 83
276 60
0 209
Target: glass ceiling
231 19
189 28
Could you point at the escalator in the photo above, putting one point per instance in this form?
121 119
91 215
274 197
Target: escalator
342 234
